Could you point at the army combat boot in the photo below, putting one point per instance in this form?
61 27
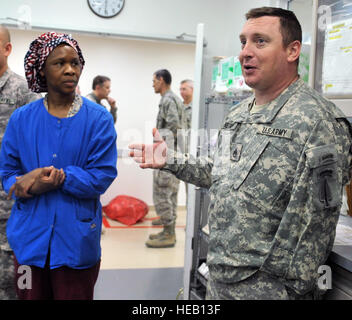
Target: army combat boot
156 235
164 239
159 234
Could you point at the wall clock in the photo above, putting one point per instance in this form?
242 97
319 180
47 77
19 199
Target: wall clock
106 8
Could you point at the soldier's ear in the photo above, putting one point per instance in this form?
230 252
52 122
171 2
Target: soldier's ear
8 49
293 51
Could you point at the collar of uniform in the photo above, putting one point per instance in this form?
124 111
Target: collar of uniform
240 112
5 77
188 106
167 94
96 98
268 114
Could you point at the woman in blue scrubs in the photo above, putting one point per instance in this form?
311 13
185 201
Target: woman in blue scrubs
58 156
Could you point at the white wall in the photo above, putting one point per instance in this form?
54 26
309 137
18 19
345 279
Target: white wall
303 11
223 19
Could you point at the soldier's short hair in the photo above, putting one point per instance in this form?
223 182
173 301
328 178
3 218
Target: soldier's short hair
165 74
99 80
6 33
188 81
290 27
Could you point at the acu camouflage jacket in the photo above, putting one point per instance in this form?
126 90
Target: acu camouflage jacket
14 93
276 181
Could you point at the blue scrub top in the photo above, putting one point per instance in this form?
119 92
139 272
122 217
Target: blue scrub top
66 221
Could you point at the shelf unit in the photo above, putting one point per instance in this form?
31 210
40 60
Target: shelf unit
216 109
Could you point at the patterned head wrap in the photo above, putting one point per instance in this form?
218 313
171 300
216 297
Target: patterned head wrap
39 51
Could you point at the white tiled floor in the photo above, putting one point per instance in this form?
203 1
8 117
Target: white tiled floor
124 247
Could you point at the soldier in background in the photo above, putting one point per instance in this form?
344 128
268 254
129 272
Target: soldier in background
14 93
277 174
186 91
170 119
101 90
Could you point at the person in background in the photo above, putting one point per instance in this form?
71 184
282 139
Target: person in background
14 93
101 90
186 91
170 119
277 174
58 155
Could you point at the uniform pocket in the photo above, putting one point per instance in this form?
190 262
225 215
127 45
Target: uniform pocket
322 161
88 237
86 210
162 178
266 173
248 160
17 228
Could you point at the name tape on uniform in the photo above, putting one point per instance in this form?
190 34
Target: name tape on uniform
275 132
7 101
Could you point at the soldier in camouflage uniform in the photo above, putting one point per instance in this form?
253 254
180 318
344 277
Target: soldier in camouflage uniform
101 90
186 92
14 93
170 119
277 175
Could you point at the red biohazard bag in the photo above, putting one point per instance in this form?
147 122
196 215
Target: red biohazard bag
126 209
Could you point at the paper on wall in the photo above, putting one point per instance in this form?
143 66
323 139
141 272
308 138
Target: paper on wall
337 60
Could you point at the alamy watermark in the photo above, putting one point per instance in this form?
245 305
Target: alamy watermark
25 280
179 143
324 17
325 280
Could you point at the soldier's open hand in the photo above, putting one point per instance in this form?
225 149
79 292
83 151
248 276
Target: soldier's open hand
150 155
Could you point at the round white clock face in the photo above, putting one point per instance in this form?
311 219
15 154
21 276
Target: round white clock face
106 8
